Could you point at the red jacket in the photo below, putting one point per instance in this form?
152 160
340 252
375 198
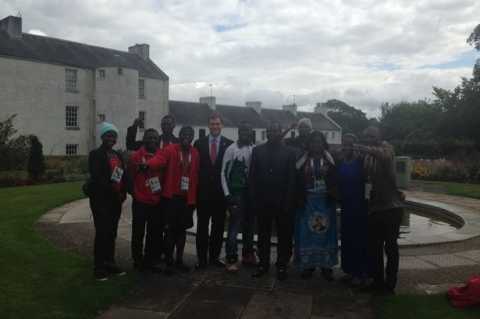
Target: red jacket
170 159
142 191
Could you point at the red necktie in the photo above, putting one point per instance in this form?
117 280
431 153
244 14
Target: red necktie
213 151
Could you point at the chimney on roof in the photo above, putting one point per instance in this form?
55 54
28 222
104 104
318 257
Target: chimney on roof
292 108
321 108
142 50
210 100
12 25
256 105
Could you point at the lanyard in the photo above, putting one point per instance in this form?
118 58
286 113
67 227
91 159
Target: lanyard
185 164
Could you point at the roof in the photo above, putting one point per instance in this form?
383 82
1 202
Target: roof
319 121
58 51
194 113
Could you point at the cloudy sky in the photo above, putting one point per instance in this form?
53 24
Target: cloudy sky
364 52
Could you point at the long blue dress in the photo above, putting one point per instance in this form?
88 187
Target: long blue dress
316 231
354 217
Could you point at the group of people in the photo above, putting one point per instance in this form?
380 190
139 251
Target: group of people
293 184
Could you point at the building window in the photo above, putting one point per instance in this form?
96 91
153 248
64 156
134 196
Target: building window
333 135
120 71
264 135
292 134
202 133
254 136
71 117
71 149
141 117
101 118
71 80
141 88
101 74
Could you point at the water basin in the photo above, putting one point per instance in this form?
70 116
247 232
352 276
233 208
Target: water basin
416 223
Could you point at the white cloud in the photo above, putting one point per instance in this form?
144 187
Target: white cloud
362 51
37 32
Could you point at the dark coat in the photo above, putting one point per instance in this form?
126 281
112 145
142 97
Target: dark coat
209 181
330 182
100 185
272 177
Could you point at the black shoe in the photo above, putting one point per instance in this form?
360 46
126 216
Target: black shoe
100 275
282 274
201 265
260 272
113 269
217 263
327 274
181 267
307 273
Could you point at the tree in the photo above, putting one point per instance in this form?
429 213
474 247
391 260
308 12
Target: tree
13 150
351 119
36 161
474 38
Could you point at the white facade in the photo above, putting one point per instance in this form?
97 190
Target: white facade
37 93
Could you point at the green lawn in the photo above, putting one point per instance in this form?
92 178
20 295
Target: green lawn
450 188
36 279
422 307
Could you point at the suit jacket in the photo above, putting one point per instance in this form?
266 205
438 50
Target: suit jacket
209 181
272 177
100 173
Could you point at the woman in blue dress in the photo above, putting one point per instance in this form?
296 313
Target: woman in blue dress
354 217
315 219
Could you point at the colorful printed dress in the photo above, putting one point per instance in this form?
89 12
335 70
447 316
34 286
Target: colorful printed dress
315 222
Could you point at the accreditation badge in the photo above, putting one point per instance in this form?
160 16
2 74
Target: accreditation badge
368 190
117 175
184 183
154 184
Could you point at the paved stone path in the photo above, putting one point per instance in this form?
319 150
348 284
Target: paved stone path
216 294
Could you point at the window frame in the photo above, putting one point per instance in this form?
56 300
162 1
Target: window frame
71 117
69 147
71 80
141 89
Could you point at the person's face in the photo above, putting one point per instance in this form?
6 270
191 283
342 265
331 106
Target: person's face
186 138
215 126
303 130
371 136
151 140
316 146
167 125
244 135
109 139
347 143
274 133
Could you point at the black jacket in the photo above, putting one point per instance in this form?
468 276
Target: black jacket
100 185
272 177
330 182
209 175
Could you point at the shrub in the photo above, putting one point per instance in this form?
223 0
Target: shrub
36 161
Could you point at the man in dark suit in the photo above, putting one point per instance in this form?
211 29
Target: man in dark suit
211 200
271 186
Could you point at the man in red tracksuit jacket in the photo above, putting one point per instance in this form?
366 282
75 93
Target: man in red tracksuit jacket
146 211
181 163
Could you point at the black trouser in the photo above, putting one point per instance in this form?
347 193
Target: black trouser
211 244
383 231
106 214
284 225
178 220
149 216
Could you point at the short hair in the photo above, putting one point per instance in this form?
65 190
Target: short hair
306 121
351 135
313 135
150 130
169 116
245 124
186 128
214 116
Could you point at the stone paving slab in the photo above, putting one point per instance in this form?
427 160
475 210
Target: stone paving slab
470 254
338 307
214 302
411 262
278 305
126 313
447 260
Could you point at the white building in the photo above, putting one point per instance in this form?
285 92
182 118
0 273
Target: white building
196 115
61 90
